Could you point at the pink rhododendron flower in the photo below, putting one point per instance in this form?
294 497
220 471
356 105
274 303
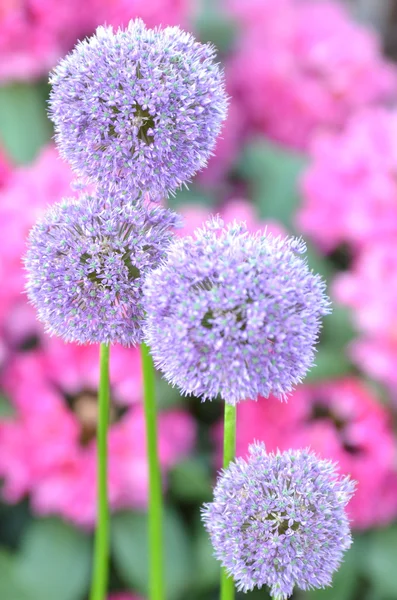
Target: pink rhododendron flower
154 12
35 34
75 367
350 188
241 210
49 447
258 13
194 215
377 356
227 147
370 288
27 193
5 169
341 420
294 72
5 172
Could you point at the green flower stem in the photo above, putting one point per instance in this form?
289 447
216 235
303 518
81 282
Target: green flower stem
101 550
156 584
229 451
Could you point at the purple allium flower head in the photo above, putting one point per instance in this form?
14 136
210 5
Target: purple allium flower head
142 105
86 261
234 314
279 520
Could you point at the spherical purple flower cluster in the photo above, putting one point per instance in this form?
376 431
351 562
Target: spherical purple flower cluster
279 520
138 106
86 261
233 314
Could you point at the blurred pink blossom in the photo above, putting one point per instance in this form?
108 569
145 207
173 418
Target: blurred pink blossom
370 288
341 420
294 72
5 168
49 448
350 188
377 356
35 34
227 147
75 367
241 210
194 215
26 194
258 14
238 209
153 12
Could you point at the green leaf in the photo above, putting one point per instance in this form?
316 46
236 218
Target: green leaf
54 561
213 25
205 596
167 396
330 363
190 480
319 264
14 520
255 594
380 560
273 174
10 586
24 126
338 330
7 410
206 567
130 549
193 195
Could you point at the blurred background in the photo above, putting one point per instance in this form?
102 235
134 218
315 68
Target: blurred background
309 148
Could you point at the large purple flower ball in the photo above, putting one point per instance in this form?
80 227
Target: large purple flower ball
233 314
279 520
86 262
140 105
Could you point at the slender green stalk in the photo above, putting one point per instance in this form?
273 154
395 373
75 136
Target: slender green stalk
229 451
101 550
156 584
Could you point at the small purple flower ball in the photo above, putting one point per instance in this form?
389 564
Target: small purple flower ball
140 105
86 262
280 520
234 314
